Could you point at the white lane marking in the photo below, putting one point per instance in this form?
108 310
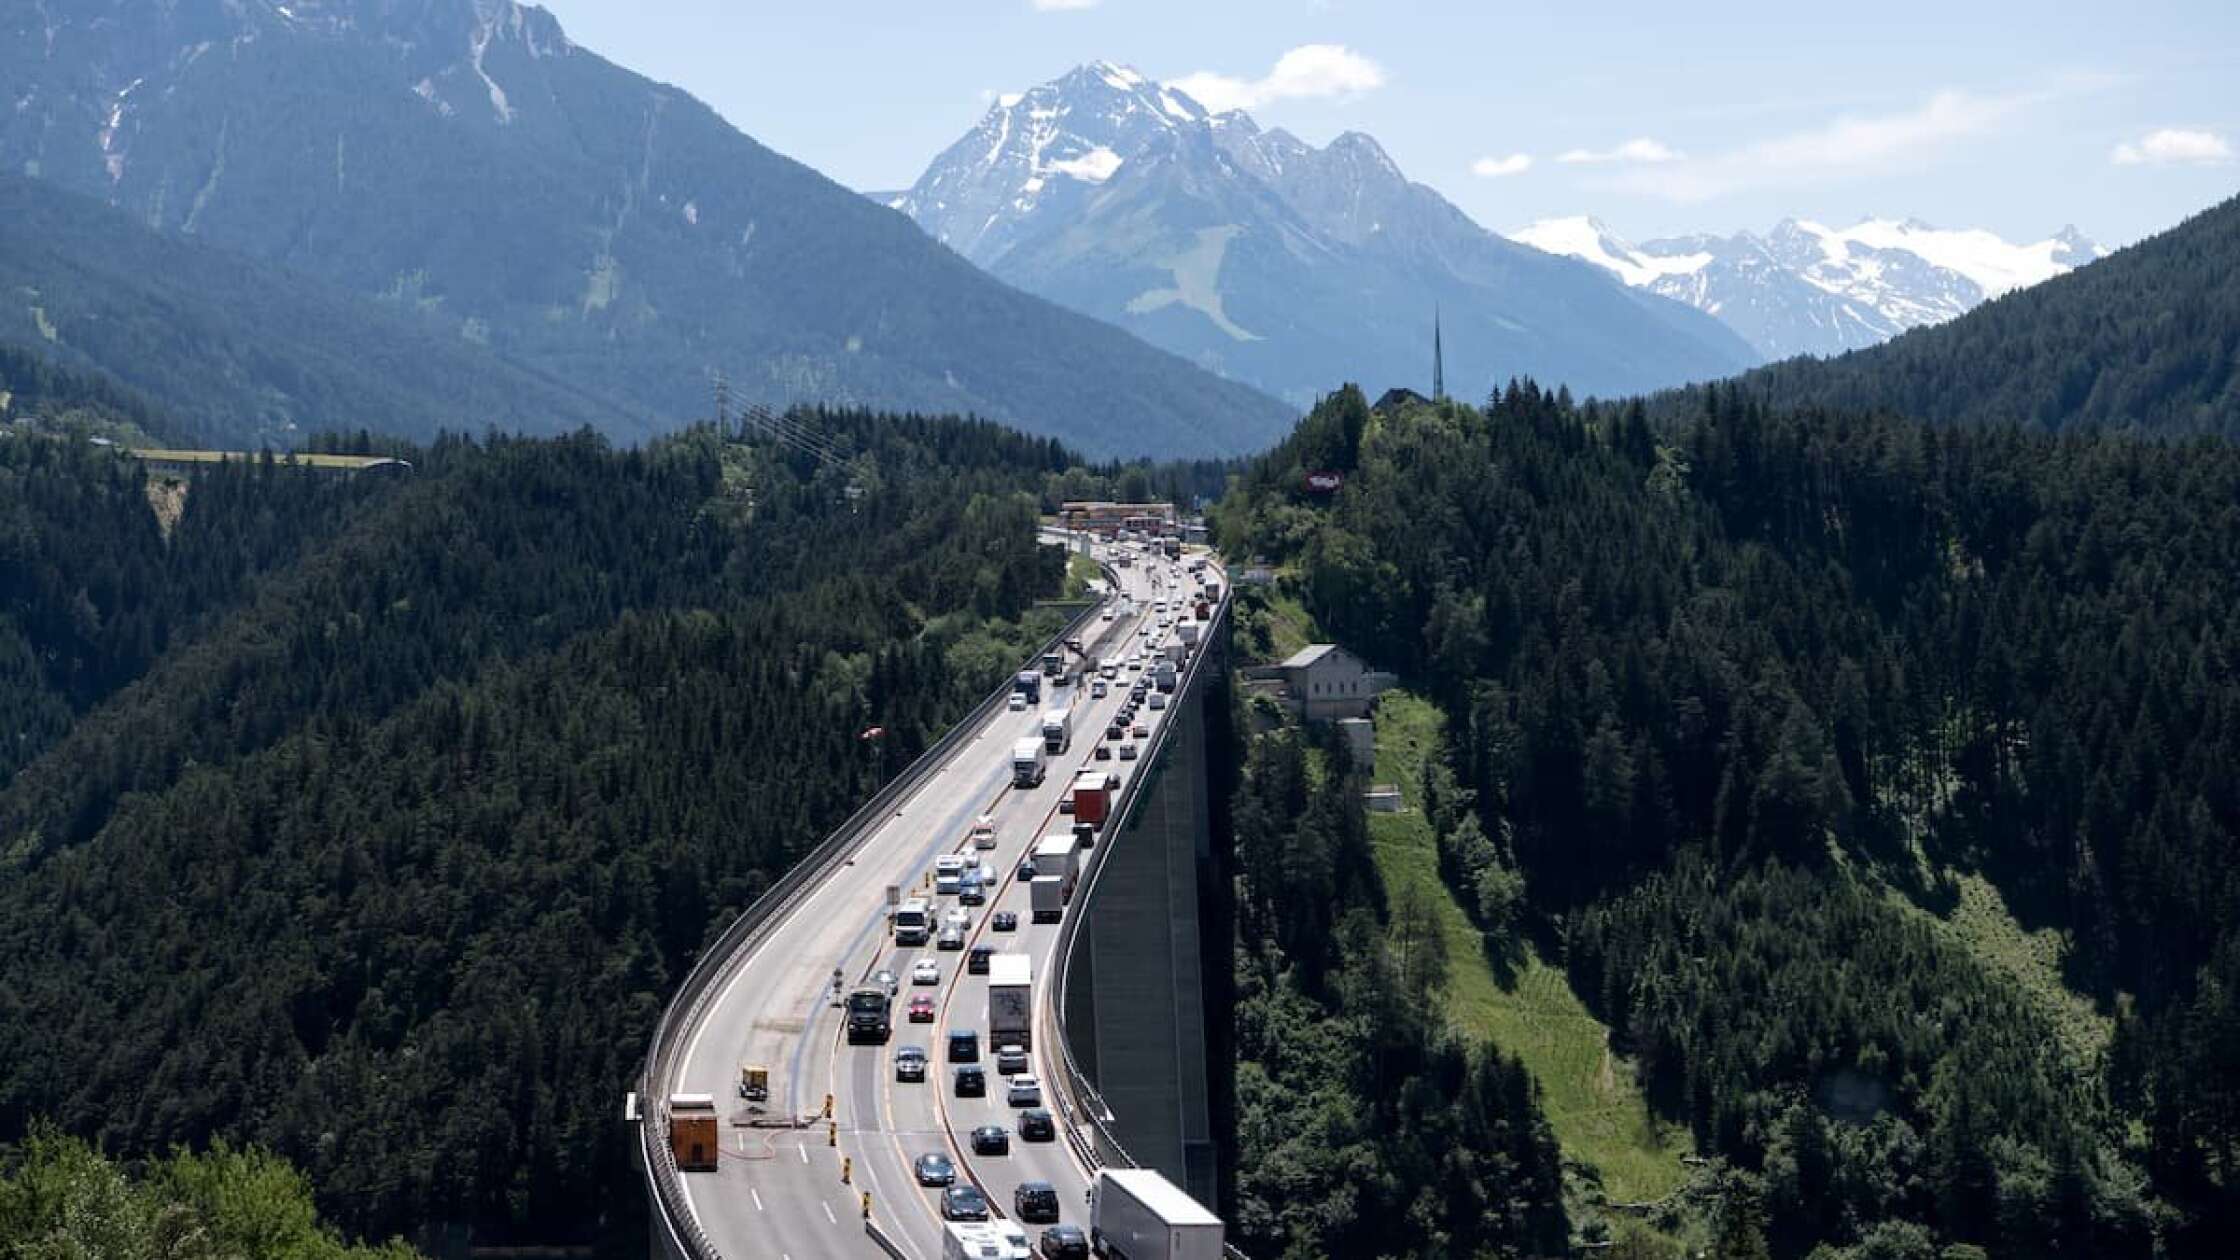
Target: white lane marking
828 1211
757 1197
804 1153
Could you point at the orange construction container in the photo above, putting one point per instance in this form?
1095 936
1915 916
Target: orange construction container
692 1131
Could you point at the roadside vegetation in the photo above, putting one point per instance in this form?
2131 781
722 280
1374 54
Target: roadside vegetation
1724 700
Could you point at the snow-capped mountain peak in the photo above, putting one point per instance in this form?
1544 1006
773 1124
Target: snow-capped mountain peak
1257 254
1060 139
1805 287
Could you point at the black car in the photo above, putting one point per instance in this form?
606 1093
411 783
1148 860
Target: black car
991 1139
972 1081
1035 1125
1065 1242
964 1046
934 1169
1027 871
1103 753
1115 732
1005 921
1035 1202
976 962
963 1203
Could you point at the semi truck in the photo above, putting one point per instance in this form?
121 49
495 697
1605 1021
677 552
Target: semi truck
870 1014
1029 684
1057 730
1011 1001
1049 904
692 1131
1054 667
1026 763
1092 798
1058 855
1189 633
1137 1214
1164 678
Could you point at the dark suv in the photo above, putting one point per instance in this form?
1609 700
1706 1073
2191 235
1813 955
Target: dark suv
1065 1242
1035 1202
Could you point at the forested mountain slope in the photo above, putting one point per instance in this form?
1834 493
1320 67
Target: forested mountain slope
2147 340
242 354
1730 697
376 819
466 162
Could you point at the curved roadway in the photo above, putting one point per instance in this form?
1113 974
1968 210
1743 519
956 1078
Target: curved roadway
777 1190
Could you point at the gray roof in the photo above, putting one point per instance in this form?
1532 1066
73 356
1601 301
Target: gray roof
1308 655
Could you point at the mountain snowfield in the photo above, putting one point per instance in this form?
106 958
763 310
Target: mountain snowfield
1278 263
1806 288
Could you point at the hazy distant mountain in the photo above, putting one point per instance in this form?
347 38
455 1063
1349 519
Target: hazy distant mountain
1278 263
466 162
1804 288
243 354
2145 340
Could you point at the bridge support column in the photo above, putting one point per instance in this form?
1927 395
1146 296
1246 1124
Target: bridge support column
1148 993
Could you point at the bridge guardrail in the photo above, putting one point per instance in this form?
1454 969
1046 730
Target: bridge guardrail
722 956
1080 1097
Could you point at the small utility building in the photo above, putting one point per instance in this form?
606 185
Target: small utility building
1325 682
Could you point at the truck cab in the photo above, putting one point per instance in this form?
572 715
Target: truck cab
913 922
870 1015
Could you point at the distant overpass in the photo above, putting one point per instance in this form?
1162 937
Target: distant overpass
1120 1042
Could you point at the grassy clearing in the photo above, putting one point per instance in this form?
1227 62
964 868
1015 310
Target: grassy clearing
1273 623
1080 571
1980 920
1592 1102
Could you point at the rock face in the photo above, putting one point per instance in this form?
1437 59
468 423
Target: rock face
1805 288
1275 262
463 160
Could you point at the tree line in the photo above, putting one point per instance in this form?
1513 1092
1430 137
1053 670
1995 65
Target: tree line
1766 673
375 821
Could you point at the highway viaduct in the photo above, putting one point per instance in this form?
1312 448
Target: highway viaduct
1130 986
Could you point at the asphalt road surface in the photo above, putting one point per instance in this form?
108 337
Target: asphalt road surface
777 1190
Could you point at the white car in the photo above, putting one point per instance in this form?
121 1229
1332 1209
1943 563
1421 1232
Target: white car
1018 702
1025 1091
926 972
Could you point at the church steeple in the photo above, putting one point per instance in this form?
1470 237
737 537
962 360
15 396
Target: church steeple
1438 361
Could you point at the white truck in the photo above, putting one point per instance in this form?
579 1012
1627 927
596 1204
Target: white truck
913 922
1026 763
984 1240
1188 632
1057 731
1138 1214
1058 855
1049 903
1011 1001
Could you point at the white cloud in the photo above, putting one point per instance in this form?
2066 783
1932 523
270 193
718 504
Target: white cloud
1640 149
1058 6
1849 147
1310 70
1496 168
2172 146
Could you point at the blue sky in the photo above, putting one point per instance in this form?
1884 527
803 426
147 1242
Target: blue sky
1659 117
